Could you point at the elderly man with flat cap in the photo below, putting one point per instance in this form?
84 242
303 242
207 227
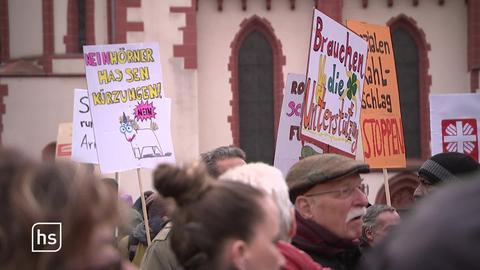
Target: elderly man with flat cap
329 203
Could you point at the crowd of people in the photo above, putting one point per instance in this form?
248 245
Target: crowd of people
221 213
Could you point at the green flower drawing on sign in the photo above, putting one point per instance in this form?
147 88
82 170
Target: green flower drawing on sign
352 86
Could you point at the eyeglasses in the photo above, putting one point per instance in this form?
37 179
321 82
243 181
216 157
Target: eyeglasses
342 193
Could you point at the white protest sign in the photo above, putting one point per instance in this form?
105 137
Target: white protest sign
132 120
454 123
334 85
289 148
84 149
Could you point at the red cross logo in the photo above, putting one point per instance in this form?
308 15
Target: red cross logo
460 135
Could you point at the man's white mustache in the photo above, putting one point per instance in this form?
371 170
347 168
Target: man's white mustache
355 212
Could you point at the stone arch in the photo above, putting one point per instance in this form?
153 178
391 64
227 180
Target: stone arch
402 187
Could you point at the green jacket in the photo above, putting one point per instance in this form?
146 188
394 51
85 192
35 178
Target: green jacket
159 254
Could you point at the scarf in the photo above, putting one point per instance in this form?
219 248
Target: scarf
313 238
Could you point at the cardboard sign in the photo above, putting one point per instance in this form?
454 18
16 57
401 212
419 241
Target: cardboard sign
84 148
454 123
381 119
289 148
132 120
64 141
333 88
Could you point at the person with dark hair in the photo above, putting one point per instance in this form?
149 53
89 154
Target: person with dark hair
377 222
31 193
137 205
159 254
444 168
135 244
329 203
219 225
134 218
223 158
442 232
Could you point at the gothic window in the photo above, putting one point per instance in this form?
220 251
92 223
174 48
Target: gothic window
411 56
256 116
406 60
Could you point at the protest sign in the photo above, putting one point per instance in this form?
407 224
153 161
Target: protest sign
289 148
334 84
132 120
454 123
381 119
84 149
64 141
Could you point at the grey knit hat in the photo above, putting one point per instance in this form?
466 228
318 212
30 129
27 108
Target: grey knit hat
447 167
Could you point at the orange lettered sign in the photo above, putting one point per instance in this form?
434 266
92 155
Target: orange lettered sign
380 120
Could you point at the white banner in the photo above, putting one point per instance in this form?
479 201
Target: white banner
132 120
84 149
454 123
333 88
289 148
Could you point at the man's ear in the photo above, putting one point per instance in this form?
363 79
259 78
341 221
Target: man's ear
369 234
238 250
304 207
293 224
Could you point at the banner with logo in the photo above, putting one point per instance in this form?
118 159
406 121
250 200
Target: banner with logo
454 123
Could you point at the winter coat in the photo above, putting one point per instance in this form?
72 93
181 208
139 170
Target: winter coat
159 255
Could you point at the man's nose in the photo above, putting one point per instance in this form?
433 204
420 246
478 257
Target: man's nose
360 198
419 192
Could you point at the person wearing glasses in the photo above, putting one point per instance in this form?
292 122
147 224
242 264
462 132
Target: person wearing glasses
326 190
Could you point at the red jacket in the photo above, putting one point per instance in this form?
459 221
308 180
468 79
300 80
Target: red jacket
297 259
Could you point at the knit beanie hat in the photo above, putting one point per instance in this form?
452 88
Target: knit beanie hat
447 167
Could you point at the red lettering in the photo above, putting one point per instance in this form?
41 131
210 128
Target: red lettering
301 88
64 150
294 88
367 136
294 130
383 136
317 41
